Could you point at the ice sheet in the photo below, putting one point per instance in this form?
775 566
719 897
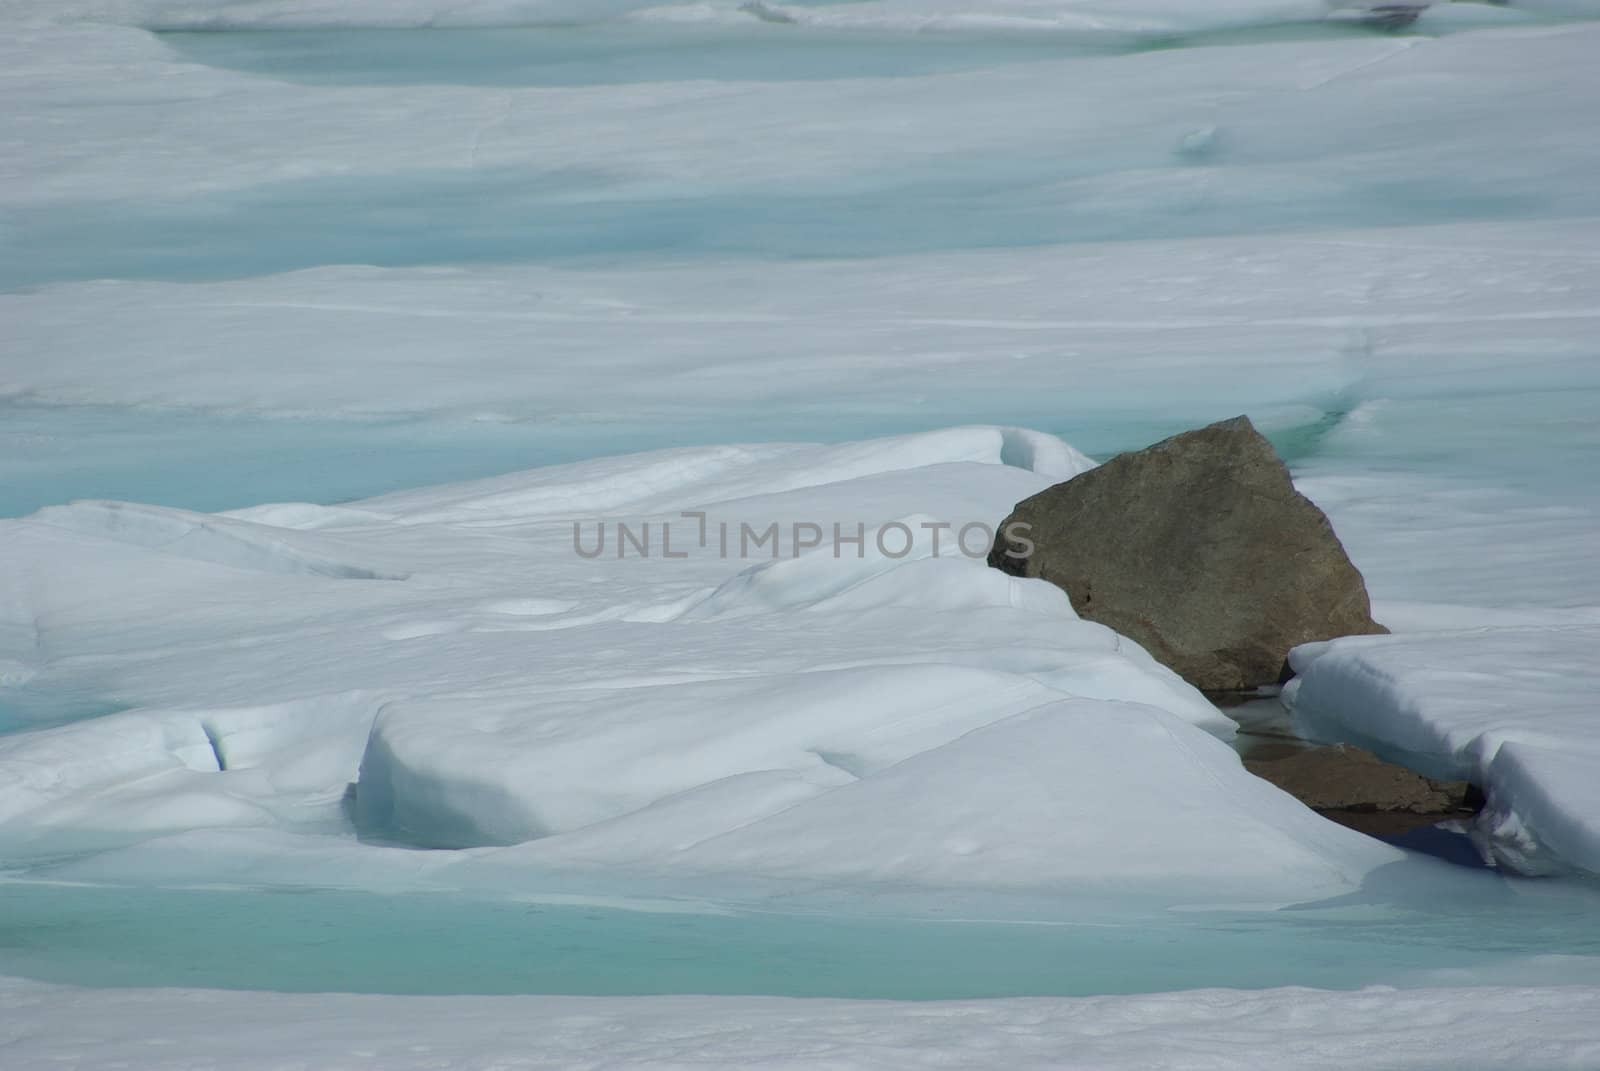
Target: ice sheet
480 681
1539 1029
1190 211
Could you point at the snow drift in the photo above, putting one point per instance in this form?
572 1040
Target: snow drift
824 712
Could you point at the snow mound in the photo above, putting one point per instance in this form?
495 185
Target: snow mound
1072 794
459 771
774 711
691 477
222 540
1511 709
302 516
152 772
824 581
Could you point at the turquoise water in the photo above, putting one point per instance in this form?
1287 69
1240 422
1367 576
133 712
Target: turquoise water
50 455
1534 437
1542 442
916 203
508 215
662 52
313 940
23 709
608 55
752 51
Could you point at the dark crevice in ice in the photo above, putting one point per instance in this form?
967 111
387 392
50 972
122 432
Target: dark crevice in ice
215 741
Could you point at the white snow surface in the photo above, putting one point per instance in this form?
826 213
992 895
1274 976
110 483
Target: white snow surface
1261 323
881 713
1510 1029
1345 231
1017 16
1113 290
1092 15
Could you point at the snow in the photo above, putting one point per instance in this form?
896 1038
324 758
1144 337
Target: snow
1510 708
481 683
1084 15
1079 17
1253 323
1313 243
225 541
1540 1029
123 776
1109 795
1103 220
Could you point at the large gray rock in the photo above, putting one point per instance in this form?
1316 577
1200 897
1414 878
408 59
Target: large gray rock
1199 548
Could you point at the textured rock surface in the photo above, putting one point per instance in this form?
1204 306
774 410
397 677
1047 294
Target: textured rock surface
1357 789
1199 548
1341 777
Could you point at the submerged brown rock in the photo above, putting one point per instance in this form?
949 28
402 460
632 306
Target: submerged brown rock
1356 788
1200 549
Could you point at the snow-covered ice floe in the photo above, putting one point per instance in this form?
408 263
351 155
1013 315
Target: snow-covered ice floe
469 667
1511 708
1510 1029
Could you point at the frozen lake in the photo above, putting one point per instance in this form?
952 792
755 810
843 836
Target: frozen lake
208 461
321 940
321 264
542 210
